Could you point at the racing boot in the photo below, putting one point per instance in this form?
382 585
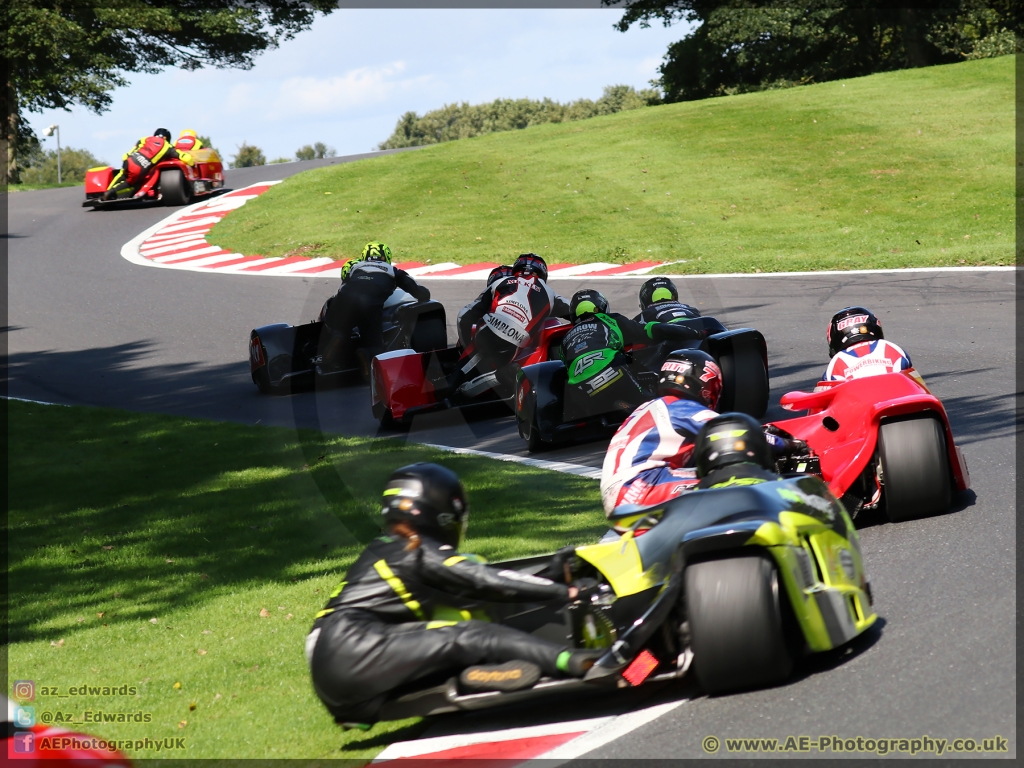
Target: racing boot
510 676
577 663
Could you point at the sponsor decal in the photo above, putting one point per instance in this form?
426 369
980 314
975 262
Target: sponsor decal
846 322
603 380
846 561
819 503
677 367
255 353
505 329
711 371
585 362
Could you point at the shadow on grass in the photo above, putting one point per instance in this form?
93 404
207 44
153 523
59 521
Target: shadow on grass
130 515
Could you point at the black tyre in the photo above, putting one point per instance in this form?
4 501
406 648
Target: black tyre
735 615
915 468
389 423
430 333
175 189
744 381
261 378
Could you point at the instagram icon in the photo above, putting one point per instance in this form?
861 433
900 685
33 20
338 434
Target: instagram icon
24 690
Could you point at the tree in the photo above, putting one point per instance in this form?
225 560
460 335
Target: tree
42 169
62 53
316 151
462 121
748 46
248 156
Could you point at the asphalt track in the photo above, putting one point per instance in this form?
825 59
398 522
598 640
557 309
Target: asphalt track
88 328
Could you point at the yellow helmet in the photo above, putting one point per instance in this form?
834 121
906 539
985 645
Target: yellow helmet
376 252
188 132
346 268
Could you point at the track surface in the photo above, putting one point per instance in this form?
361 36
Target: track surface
86 327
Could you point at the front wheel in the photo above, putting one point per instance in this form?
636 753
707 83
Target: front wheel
744 380
734 609
915 468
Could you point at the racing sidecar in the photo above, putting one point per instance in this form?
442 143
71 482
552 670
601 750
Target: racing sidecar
405 383
549 411
285 357
879 442
739 581
172 182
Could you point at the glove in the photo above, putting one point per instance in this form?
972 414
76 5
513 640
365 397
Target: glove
555 570
586 589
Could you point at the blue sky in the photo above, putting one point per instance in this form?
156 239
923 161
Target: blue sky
348 79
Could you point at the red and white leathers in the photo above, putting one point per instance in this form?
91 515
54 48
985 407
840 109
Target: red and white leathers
519 305
868 358
650 458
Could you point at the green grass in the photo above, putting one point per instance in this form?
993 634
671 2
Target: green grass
143 548
34 187
908 168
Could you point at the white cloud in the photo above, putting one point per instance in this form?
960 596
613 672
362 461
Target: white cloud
356 88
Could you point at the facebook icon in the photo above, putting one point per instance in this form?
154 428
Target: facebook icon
24 741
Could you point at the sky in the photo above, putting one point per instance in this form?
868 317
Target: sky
348 79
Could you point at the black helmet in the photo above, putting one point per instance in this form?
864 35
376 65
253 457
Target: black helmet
732 438
587 302
691 374
657 289
429 497
531 264
498 273
850 326
163 133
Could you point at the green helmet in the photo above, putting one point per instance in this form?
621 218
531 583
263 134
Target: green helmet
346 268
376 252
587 302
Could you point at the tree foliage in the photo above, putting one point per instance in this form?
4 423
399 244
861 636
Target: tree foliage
746 46
42 167
248 156
62 53
316 151
462 121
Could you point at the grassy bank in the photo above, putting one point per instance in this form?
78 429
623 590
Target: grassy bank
908 168
187 559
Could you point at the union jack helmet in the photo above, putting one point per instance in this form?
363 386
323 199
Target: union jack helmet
851 326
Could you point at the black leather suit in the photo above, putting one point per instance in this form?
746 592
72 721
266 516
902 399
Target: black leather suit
396 619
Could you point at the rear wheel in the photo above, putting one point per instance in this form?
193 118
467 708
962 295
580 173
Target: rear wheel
735 617
744 381
261 378
430 333
175 189
915 468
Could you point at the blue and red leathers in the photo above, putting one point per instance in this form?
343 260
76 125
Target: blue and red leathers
868 358
650 458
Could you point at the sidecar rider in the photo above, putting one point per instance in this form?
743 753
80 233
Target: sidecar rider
650 458
508 315
857 347
465 330
366 285
731 450
387 624
593 351
659 303
139 162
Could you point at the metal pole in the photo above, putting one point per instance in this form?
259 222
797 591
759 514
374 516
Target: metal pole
58 155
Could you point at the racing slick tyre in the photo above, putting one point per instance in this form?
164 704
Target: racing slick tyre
261 378
744 381
429 334
175 189
736 623
915 468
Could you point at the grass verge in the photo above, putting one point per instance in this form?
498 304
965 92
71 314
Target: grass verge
187 558
901 169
